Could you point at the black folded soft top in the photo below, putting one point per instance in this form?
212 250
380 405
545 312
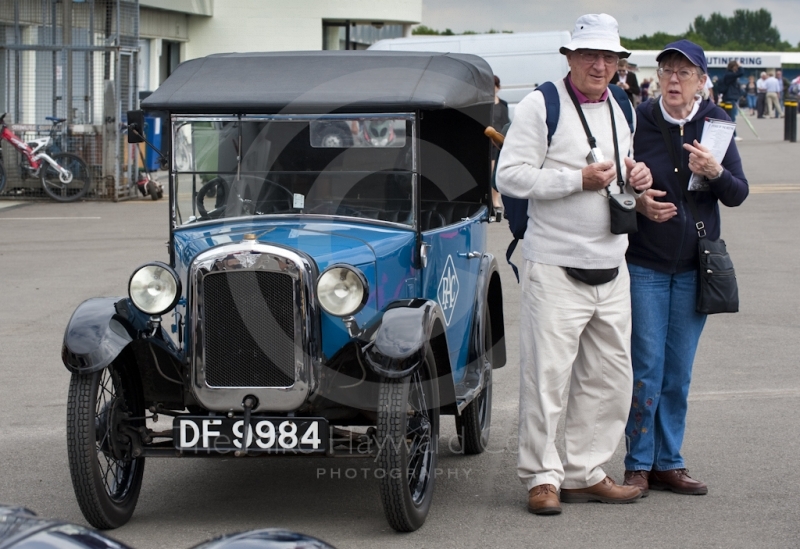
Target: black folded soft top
318 82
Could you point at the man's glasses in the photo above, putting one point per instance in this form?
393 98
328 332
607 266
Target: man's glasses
683 74
591 57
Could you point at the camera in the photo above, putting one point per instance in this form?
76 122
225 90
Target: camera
595 155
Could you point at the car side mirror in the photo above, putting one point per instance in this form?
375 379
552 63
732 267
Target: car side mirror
135 126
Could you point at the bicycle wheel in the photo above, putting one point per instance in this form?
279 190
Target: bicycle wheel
2 177
73 188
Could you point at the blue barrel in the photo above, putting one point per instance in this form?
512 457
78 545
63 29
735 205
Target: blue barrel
152 131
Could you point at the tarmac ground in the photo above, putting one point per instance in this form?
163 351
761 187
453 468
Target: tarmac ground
743 432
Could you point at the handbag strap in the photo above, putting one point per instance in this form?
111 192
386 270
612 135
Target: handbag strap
683 181
590 137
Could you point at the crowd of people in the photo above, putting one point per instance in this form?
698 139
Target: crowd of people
608 324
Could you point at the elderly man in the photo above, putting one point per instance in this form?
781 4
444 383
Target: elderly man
774 90
761 94
575 317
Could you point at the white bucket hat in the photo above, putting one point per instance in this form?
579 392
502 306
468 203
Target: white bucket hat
596 32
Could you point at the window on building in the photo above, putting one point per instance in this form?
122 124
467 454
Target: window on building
170 59
350 35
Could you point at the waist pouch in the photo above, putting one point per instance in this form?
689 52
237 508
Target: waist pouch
593 277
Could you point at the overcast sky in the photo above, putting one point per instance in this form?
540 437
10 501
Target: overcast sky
636 17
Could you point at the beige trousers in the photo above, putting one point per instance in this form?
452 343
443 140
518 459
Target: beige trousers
773 104
577 334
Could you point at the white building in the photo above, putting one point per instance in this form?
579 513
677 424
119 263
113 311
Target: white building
172 31
753 62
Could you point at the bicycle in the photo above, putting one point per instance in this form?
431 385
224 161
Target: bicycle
65 176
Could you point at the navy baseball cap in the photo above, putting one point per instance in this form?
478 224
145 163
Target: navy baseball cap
690 51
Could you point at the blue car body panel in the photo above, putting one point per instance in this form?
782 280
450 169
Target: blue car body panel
383 253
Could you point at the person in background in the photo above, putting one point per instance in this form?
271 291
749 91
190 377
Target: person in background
784 85
732 91
761 94
499 120
752 94
774 89
714 90
645 88
708 91
575 301
662 261
626 79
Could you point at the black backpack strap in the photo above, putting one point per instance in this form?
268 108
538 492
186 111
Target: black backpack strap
623 102
517 208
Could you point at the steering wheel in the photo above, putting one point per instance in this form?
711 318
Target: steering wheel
222 192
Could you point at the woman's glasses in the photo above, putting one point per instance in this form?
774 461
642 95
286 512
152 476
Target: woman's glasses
683 74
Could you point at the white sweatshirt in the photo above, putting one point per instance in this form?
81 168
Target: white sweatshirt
567 226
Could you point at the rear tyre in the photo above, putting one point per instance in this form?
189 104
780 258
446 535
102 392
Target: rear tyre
408 434
2 177
102 410
69 191
474 423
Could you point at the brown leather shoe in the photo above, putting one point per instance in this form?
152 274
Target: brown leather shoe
678 481
638 479
605 491
543 500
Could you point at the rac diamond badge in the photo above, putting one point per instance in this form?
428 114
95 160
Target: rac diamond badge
448 290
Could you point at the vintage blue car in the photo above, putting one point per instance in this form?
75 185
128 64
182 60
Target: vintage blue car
328 290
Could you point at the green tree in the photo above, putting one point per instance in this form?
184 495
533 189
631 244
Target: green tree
422 29
655 42
746 30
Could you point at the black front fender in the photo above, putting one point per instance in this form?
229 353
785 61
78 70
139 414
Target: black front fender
397 344
100 328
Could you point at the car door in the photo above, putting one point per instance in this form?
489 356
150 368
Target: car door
450 278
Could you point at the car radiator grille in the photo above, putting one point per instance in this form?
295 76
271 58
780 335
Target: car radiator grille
249 327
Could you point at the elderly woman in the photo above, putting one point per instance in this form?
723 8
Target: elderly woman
662 261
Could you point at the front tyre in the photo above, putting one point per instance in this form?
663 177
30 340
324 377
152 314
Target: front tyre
474 424
66 191
408 434
103 410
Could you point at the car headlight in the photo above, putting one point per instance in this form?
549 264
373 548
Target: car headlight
154 288
342 290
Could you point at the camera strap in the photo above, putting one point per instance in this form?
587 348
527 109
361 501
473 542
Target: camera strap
590 137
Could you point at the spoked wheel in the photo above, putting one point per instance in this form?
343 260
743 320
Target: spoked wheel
103 410
66 187
474 423
408 433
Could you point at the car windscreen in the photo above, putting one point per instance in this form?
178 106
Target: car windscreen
358 166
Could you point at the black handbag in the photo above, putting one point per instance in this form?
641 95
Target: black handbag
717 289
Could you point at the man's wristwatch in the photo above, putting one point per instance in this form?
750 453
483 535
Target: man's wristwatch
719 174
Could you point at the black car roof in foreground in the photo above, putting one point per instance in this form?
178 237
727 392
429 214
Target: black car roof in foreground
323 82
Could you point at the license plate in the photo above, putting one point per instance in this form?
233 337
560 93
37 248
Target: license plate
279 435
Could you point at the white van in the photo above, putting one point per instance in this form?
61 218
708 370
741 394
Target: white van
521 60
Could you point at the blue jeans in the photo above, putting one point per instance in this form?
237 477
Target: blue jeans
666 331
751 102
734 111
